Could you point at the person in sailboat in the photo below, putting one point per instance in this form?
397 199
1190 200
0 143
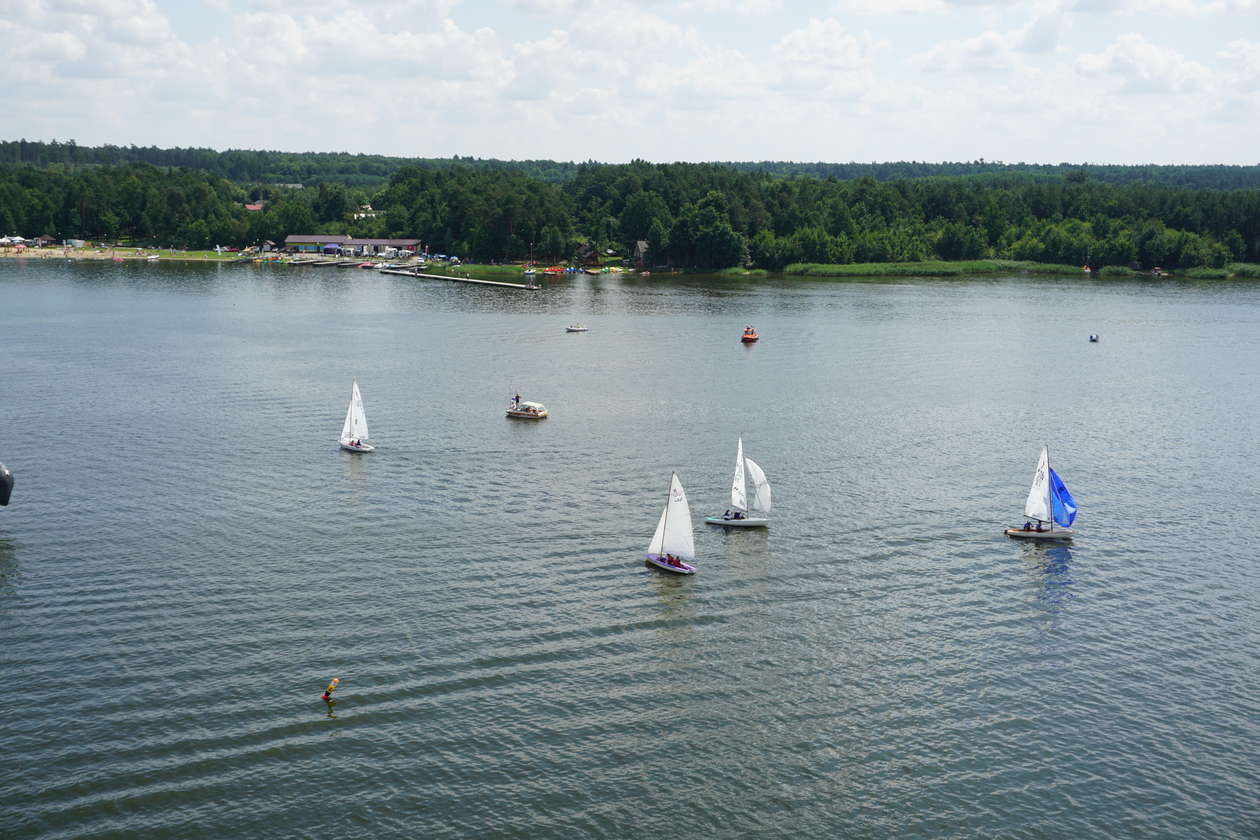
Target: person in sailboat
1027 526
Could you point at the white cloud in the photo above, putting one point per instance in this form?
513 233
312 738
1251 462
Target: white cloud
1244 63
822 57
571 79
876 8
1169 7
1041 34
989 53
1136 66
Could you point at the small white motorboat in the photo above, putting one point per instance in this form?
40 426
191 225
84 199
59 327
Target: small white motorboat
741 514
525 410
1048 502
576 328
673 544
354 432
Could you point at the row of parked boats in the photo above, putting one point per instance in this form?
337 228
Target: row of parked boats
673 547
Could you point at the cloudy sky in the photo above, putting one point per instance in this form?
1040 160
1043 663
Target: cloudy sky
1104 81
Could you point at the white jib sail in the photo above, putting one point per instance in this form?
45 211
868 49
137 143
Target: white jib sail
761 487
355 427
673 530
738 500
1038 504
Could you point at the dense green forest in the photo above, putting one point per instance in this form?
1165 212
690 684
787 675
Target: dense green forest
704 215
358 170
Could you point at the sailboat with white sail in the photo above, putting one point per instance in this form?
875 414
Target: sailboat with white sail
1049 503
354 432
746 513
673 546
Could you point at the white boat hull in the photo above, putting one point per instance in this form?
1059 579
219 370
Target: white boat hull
747 522
1056 534
362 447
528 415
659 562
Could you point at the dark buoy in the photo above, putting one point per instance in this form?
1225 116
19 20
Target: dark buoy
1094 339
6 484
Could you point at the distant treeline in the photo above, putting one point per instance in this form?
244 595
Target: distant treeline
359 170
701 215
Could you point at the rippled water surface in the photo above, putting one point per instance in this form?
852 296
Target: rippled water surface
189 558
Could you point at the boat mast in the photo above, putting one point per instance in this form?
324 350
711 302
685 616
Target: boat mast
669 493
1049 490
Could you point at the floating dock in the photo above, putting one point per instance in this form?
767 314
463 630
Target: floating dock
403 273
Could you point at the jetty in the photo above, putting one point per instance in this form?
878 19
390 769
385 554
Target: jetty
405 273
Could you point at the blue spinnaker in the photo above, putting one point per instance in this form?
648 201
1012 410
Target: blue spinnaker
1061 502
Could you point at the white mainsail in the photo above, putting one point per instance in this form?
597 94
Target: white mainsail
738 499
1038 504
761 487
355 427
673 530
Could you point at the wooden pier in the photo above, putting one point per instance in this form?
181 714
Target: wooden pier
405 273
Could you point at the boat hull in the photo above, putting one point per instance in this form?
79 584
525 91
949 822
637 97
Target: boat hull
526 415
748 522
576 329
362 447
1057 534
749 339
659 562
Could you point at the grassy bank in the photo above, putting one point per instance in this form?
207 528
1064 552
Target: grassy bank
506 273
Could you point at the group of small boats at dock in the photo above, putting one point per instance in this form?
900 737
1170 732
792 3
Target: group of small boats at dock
672 547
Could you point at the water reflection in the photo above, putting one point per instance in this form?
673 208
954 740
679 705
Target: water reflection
8 567
1049 567
355 464
676 612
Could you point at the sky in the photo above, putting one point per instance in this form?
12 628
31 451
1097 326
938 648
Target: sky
1037 81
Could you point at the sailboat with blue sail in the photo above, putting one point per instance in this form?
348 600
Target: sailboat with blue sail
1049 503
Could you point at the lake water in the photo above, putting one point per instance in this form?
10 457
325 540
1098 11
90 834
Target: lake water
188 558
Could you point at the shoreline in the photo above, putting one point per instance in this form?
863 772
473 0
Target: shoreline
126 254
927 268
